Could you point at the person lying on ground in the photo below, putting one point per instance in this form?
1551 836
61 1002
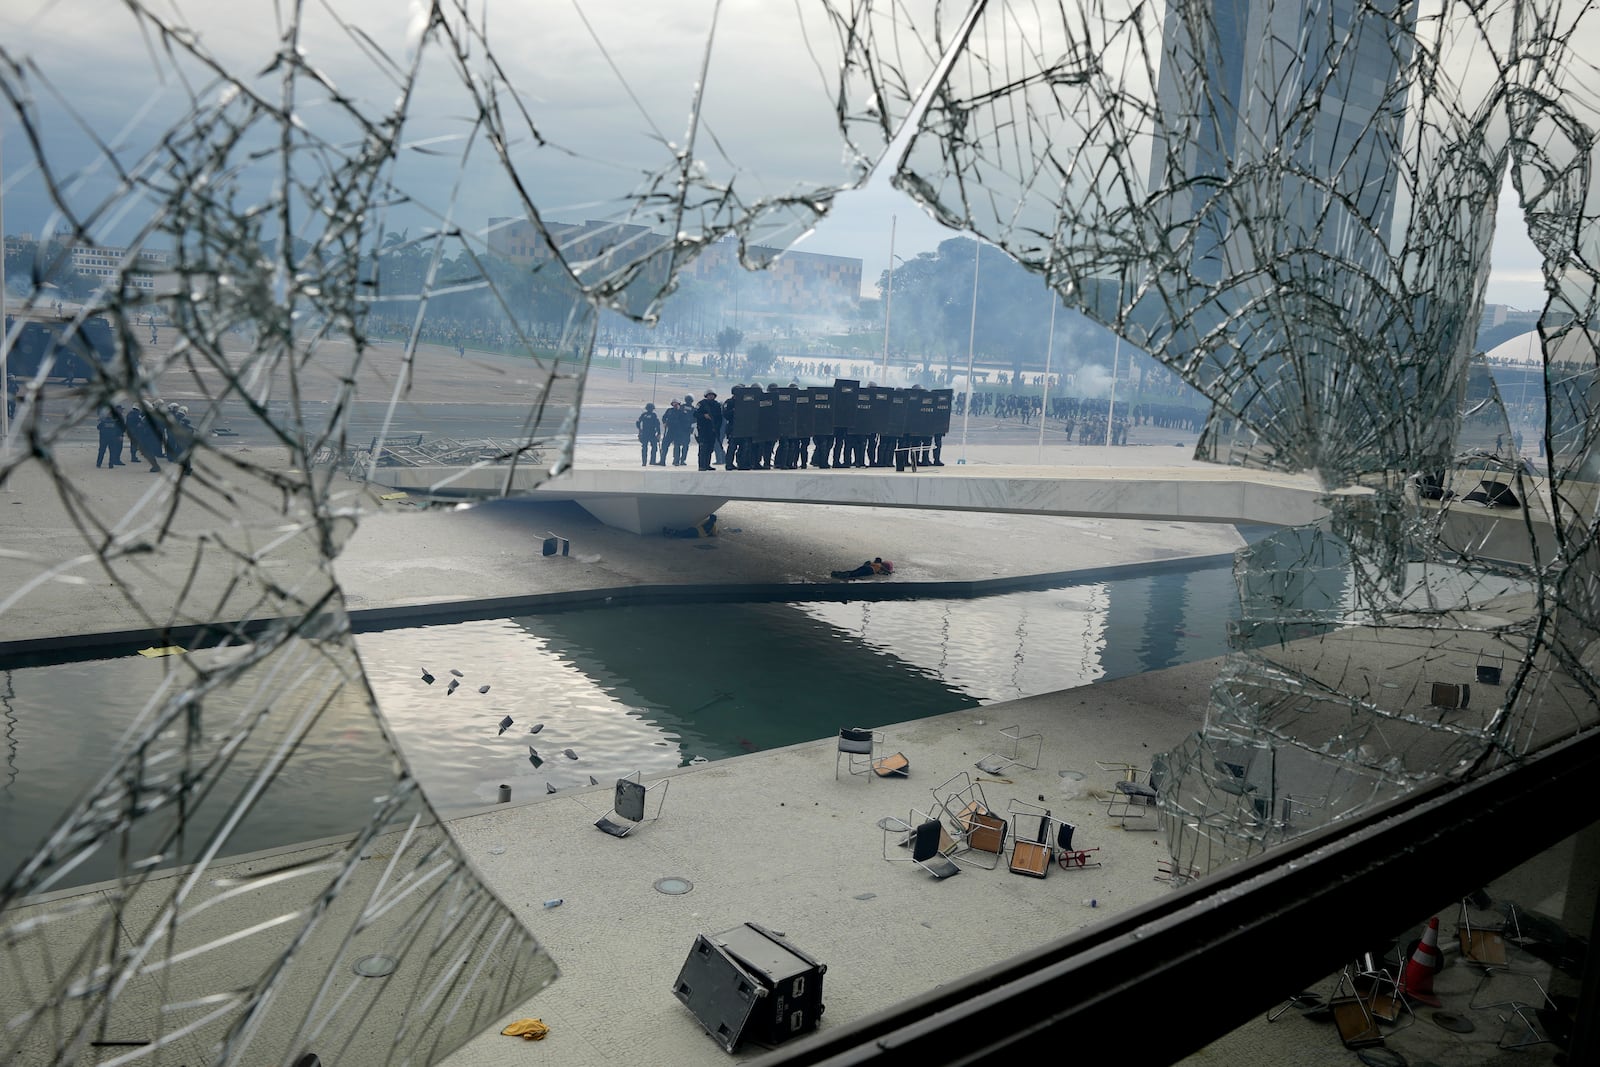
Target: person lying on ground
706 527
878 565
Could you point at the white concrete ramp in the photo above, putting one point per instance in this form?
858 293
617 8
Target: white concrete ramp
645 499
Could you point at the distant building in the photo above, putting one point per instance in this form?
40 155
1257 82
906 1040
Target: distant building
1504 314
802 282
796 282
103 262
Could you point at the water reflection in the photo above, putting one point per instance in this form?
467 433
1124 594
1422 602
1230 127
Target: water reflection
1022 644
620 689
74 723
453 740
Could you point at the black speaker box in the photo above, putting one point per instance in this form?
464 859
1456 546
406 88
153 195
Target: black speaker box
750 983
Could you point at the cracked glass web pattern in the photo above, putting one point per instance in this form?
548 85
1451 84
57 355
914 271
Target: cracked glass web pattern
1288 204
1291 206
284 235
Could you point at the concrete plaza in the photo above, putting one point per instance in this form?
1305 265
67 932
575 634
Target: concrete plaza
772 837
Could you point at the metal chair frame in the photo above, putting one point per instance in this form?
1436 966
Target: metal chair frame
856 747
926 837
1522 1011
985 836
1383 980
1071 858
1133 793
630 804
1472 937
998 762
1353 1036
1032 857
957 807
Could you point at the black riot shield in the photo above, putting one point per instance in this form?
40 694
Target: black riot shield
899 409
942 399
746 411
803 422
767 415
872 409
821 410
920 419
786 416
844 402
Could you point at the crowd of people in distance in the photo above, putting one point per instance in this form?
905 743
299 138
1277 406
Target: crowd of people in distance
156 432
788 428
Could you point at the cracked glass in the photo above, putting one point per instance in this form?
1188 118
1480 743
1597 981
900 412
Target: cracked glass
1288 205
1291 205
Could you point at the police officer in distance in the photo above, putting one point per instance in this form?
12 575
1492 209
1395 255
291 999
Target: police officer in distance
707 427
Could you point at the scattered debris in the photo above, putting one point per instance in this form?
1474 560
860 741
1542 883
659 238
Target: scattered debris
506 724
527 1029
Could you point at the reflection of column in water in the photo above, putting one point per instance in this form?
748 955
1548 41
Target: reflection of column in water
1017 656
866 619
1098 598
11 734
944 642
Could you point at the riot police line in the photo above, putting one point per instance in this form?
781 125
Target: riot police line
846 424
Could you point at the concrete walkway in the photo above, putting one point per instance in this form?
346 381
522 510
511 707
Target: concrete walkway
770 838
773 838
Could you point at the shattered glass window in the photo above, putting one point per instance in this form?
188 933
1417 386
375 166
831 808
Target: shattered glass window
293 214
1291 205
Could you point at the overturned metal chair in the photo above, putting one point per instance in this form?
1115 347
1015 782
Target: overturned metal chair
1032 843
1014 746
1501 985
1134 792
1484 944
929 843
1376 978
628 804
984 843
859 746
977 829
1072 858
1352 1014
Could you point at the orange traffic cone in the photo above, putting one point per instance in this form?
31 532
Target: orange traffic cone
1416 981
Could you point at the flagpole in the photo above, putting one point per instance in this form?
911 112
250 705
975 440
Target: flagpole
972 329
1111 407
888 301
1050 345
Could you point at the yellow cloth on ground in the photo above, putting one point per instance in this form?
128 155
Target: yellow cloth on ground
527 1029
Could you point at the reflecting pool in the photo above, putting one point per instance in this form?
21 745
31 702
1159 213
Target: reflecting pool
600 692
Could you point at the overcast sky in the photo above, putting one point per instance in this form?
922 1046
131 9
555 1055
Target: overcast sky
606 114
